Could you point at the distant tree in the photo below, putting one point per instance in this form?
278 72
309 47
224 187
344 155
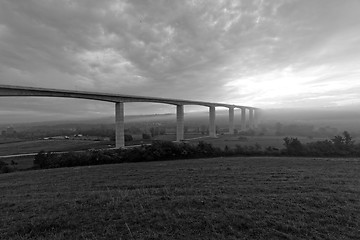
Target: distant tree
128 138
344 145
348 139
2 163
321 148
146 136
41 159
342 141
153 132
293 146
338 141
257 147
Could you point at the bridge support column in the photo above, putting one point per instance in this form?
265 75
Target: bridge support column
243 119
256 117
212 127
251 118
119 125
231 120
179 123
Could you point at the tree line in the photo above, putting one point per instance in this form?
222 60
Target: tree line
338 146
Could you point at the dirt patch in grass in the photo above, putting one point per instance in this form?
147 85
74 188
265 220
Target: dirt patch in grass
219 198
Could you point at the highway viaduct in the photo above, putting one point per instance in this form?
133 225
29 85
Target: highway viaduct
120 99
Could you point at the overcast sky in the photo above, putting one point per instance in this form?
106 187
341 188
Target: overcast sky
268 54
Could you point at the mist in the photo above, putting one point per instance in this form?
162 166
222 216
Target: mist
341 118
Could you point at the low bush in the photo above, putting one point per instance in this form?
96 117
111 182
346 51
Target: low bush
5 168
158 150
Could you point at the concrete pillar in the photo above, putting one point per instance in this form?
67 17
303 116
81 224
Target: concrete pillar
212 127
256 117
251 118
243 119
119 125
179 122
231 120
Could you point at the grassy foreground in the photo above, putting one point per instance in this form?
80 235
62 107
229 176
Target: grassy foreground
219 198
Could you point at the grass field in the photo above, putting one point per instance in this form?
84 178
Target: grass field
62 145
219 198
23 162
35 146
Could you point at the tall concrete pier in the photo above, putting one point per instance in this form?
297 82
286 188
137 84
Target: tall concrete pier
256 117
251 118
243 119
119 125
231 120
212 127
179 122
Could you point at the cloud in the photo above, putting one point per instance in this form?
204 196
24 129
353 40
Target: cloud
254 52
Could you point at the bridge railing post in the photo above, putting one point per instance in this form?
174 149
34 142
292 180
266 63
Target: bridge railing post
179 122
119 125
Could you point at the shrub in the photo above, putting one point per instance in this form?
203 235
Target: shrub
204 149
293 146
128 138
146 136
41 159
2 164
5 168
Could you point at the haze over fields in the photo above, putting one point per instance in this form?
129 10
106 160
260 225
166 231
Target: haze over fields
342 119
268 54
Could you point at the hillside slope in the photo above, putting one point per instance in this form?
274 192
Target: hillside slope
219 198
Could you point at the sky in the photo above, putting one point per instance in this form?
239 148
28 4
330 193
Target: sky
267 54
